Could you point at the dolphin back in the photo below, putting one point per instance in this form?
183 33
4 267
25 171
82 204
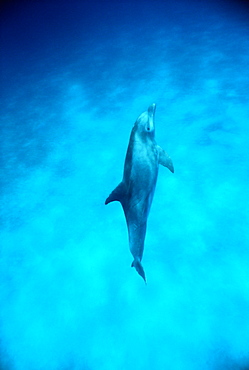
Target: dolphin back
138 266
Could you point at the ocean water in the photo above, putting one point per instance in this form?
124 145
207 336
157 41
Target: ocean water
75 75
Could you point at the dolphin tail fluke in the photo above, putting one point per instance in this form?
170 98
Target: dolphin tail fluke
138 266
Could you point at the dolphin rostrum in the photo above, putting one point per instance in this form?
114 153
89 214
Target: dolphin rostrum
136 190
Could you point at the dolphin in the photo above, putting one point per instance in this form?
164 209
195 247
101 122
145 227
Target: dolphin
136 190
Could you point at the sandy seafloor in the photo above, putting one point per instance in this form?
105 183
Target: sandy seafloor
74 78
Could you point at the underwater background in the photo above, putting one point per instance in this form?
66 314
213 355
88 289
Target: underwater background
75 75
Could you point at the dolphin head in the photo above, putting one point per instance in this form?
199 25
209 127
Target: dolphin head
145 123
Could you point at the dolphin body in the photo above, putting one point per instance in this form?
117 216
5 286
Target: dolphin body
136 190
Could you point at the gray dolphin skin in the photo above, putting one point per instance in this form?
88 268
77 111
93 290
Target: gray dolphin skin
136 190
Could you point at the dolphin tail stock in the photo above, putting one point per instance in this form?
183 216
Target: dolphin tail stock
138 266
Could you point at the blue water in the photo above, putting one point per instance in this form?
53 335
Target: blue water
74 78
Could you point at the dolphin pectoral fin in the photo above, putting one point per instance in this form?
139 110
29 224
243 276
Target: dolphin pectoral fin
164 159
138 266
117 194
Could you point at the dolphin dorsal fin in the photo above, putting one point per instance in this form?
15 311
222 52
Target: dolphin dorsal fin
164 159
117 194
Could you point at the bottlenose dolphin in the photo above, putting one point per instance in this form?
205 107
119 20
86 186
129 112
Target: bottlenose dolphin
136 190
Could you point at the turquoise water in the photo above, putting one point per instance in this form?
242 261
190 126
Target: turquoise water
74 78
